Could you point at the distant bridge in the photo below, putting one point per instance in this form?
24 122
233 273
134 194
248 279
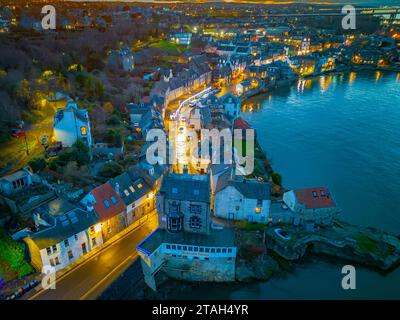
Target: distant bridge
389 14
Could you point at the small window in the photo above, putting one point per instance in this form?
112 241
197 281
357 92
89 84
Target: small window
190 248
315 194
168 246
131 188
179 247
76 237
126 192
201 249
174 190
66 243
229 250
92 229
139 185
218 250
94 242
322 193
113 200
184 248
212 250
223 250
173 247
206 258
195 249
70 255
55 248
48 249
207 250
83 131
106 203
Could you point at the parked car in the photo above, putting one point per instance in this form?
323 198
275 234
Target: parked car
53 149
282 234
16 133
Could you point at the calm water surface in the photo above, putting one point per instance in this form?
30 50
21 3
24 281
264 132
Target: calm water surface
343 132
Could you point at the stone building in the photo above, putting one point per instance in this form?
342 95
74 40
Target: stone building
185 246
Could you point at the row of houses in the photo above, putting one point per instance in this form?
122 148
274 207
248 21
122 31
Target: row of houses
65 230
185 78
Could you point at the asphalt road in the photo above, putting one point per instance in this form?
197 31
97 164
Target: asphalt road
89 279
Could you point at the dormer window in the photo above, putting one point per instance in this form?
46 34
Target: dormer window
315 194
113 200
106 203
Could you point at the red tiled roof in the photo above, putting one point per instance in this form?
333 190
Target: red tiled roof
314 198
241 124
105 192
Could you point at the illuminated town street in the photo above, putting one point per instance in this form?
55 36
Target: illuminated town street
89 279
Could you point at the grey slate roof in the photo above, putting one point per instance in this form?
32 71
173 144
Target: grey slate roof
190 187
66 225
125 183
253 189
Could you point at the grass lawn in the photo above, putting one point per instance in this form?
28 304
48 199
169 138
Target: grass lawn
246 225
367 244
168 47
12 258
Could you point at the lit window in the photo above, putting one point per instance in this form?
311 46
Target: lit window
139 185
131 188
126 192
258 209
83 131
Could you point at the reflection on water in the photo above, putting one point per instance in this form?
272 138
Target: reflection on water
341 132
352 77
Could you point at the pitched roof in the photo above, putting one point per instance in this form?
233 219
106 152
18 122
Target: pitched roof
65 225
314 198
252 189
105 207
129 190
240 123
189 187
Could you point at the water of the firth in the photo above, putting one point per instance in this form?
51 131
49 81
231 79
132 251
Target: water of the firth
343 132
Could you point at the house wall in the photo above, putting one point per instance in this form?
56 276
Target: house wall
113 226
7 187
68 130
190 265
34 253
204 215
74 246
231 204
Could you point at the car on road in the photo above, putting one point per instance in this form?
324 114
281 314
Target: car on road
53 149
16 133
282 234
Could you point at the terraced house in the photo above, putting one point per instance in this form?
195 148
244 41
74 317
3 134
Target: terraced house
64 233
109 207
